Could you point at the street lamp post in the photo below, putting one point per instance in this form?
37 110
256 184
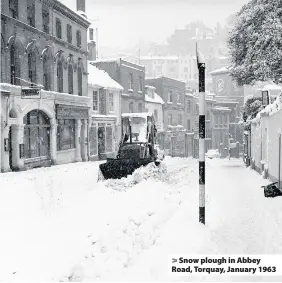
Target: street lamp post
201 68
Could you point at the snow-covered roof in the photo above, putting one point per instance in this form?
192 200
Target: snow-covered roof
271 87
221 71
219 108
102 60
156 99
101 78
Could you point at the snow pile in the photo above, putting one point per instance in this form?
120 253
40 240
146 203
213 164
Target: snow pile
270 109
100 78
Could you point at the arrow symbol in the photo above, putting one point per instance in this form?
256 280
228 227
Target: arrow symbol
174 260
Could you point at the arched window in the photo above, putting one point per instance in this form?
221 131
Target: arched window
79 80
32 66
70 78
36 134
131 107
60 78
15 65
46 73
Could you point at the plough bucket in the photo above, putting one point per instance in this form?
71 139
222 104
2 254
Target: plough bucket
119 168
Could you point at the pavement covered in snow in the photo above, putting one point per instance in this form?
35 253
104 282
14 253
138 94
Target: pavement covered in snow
58 223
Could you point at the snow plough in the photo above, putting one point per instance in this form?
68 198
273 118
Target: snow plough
137 147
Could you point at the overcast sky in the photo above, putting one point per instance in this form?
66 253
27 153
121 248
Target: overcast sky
124 23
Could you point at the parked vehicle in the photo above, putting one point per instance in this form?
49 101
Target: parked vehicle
213 153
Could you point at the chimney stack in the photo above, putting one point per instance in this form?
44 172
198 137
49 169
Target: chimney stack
80 5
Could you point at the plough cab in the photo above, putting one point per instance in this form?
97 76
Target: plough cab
136 149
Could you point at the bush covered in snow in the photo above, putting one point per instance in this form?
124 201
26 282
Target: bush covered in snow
255 43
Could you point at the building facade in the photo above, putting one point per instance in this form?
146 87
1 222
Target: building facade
154 104
131 77
45 108
105 121
173 94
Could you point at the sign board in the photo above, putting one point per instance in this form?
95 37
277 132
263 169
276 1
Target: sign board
71 112
31 92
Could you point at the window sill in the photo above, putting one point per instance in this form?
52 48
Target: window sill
130 90
140 91
169 102
34 159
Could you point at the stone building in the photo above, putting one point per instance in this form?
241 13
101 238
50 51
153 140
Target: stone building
173 94
131 77
105 121
44 102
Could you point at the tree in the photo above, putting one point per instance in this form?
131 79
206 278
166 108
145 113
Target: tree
251 107
255 43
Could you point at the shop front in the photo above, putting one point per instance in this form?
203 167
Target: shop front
72 133
102 138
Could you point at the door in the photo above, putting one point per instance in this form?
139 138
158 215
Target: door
10 148
101 142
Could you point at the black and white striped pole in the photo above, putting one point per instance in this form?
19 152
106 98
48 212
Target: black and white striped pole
201 68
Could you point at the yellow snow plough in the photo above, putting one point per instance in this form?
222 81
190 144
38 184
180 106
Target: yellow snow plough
136 148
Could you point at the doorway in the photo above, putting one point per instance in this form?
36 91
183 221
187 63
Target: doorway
101 143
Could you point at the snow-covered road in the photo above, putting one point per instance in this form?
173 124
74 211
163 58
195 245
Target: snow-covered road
58 223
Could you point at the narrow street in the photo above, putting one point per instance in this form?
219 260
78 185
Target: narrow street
74 228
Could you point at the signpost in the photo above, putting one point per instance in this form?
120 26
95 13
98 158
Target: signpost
201 68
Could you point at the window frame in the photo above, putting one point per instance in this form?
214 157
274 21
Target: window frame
68 124
169 97
30 12
60 77
95 93
69 33
45 16
111 102
70 79
78 38
14 9
58 28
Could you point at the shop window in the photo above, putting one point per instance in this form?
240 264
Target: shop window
32 66
46 73
79 80
69 33
111 101
31 13
109 139
14 9
70 78
93 141
36 134
15 65
60 77
58 28
95 100
78 38
66 134
45 18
